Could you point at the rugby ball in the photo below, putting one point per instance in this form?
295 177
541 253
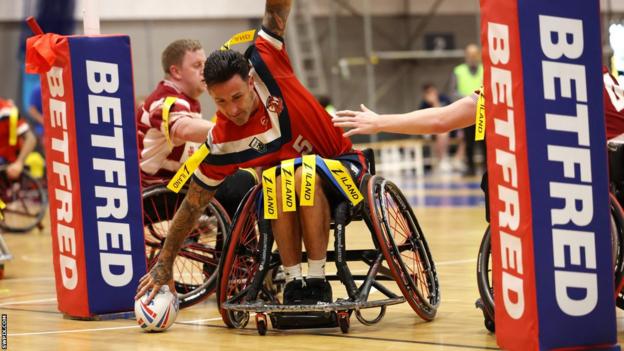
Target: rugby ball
160 313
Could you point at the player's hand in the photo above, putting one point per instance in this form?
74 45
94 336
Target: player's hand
360 122
158 276
15 169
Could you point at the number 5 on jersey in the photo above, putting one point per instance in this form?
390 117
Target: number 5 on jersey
302 146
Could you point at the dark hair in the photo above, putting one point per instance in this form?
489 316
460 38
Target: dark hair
174 52
222 65
324 100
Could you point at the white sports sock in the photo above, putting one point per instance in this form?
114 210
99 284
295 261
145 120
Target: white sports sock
316 268
293 272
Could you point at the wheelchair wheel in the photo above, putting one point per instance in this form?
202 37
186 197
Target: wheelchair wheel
239 263
404 246
617 239
26 202
484 277
195 267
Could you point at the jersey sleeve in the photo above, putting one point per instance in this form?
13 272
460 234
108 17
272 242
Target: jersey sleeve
180 109
272 50
211 176
22 127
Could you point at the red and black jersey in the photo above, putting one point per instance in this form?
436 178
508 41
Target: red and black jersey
289 123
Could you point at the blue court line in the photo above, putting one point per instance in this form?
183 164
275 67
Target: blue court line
436 186
447 201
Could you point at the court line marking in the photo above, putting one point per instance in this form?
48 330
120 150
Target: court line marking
27 302
33 279
411 341
450 263
195 321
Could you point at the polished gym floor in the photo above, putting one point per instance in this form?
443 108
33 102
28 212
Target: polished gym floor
449 208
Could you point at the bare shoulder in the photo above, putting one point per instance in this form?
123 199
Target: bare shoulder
275 16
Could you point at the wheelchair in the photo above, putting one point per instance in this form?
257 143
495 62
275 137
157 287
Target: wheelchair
195 267
26 202
616 195
248 279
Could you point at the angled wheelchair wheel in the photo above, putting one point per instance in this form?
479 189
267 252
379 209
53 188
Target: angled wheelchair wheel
617 240
26 202
195 267
404 246
484 277
239 263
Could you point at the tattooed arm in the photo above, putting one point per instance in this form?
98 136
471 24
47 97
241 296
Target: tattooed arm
194 204
275 15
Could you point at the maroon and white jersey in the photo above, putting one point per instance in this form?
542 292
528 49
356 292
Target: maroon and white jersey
614 105
158 160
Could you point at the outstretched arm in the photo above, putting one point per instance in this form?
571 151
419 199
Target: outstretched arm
191 129
435 120
275 16
194 204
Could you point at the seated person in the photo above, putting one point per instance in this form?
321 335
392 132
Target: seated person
265 115
14 152
163 148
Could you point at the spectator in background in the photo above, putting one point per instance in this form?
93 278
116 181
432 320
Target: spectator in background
467 78
432 98
326 102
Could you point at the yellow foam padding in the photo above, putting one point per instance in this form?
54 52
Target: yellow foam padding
238 38
2 207
480 118
13 117
344 180
308 180
166 107
184 173
289 198
269 191
35 162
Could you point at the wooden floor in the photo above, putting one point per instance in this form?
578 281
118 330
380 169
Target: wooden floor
27 296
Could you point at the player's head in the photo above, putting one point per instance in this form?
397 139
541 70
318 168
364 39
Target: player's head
472 55
183 63
226 74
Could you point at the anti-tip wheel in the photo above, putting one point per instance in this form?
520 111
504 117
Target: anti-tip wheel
261 323
343 321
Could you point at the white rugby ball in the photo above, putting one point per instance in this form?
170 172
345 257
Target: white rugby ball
160 313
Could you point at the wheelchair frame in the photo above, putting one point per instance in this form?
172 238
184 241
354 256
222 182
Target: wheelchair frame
242 290
159 206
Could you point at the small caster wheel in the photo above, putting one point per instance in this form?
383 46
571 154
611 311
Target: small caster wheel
343 321
261 323
489 324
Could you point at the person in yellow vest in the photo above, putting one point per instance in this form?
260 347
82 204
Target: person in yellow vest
467 78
